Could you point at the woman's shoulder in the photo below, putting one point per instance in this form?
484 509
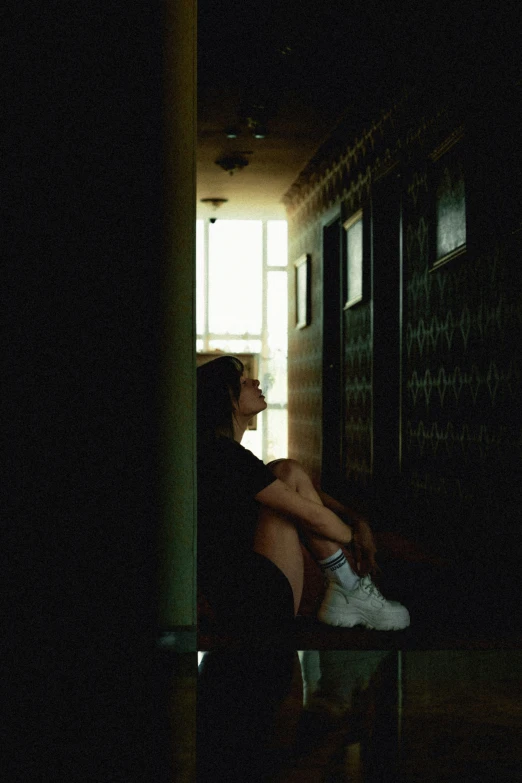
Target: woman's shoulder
229 470
223 445
228 452
210 445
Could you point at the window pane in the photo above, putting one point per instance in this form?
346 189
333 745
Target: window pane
236 346
253 439
200 277
277 446
235 277
275 379
451 210
277 242
277 310
354 262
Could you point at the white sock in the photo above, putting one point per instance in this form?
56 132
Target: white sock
336 568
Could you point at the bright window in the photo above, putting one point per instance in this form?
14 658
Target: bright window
242 307
277 239
235 274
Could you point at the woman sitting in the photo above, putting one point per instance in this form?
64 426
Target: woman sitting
252 517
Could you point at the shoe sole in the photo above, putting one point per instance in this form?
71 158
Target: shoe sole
341 619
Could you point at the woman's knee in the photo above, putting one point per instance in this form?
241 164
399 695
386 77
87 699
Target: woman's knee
287 470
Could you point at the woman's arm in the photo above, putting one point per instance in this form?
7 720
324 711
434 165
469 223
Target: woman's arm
347 514
312 517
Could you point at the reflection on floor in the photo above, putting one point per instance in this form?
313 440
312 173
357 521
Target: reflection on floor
368 717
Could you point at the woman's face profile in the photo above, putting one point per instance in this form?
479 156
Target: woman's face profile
251 399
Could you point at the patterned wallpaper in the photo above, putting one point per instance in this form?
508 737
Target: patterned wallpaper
358 395
342 175
304 366
461 426
462 332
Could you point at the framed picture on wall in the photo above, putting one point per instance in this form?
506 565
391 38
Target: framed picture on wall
353 271
303 297
250 362
448 189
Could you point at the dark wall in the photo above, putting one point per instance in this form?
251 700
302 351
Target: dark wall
431 441
84 265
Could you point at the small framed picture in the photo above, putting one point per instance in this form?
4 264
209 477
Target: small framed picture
353 271
447 184
303 298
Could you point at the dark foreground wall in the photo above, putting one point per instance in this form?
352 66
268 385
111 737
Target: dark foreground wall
85 214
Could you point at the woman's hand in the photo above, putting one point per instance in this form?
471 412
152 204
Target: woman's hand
363 548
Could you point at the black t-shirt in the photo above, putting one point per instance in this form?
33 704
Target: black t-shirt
229 477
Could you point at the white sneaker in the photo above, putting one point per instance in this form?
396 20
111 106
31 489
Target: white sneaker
364 605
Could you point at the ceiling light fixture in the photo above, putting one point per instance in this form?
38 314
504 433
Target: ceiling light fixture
259 131
233 161
232 132
255 118
251 117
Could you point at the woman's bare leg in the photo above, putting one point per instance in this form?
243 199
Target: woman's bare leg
276 538
295 476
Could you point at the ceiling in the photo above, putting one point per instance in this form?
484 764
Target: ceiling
298 66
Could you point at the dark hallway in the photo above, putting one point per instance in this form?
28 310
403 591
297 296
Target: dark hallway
99 536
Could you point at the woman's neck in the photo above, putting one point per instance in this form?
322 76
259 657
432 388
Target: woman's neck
240 427
238 433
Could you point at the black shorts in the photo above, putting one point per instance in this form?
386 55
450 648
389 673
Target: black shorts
252 597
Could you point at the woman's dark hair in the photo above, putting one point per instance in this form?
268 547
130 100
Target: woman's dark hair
218 387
